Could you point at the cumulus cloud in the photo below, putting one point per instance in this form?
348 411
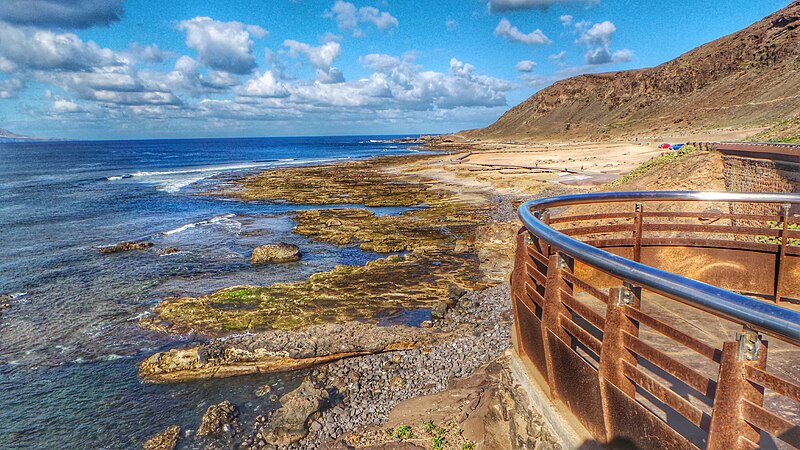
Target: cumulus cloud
598 34
224 46
62 105
512 33
265 86
61 13
516 5
349 18
557 58
321 58
138 53
597 39
29 48
566 20
380 62
10 88
186 77
526 66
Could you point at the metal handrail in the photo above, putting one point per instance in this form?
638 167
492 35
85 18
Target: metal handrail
761 316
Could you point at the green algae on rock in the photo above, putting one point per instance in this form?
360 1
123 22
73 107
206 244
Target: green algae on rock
352 183
346 293
434 227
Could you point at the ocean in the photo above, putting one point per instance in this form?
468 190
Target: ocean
69 342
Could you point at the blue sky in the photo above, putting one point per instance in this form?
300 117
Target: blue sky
104 69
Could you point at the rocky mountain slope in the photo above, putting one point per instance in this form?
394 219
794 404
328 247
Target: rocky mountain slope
748 78
8 136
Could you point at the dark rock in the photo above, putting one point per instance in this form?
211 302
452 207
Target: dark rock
124 247
439 310
169 251
298 409
166 440
263 390
275 253
221 417
455 292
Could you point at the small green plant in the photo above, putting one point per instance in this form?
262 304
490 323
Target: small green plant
429 427
403 432
468 446
775 225
660 160
441 431
438 442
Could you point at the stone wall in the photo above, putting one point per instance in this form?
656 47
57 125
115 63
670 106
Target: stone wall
760 175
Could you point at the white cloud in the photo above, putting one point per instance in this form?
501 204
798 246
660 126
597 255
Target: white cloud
61 105
29 48
224 46
451 25
186 77
10 88
138 53
380 63
597 39
526 66
348 17
557 58
510 32
598 34
322 58
265 86
515 5
623 55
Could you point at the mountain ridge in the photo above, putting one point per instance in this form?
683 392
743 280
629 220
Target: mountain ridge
745 79
9 136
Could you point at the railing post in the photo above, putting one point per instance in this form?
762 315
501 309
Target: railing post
613 354
782 252
638 218
728 430
552 310
546 251
518 278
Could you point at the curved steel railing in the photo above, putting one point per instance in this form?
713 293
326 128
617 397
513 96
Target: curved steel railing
774 320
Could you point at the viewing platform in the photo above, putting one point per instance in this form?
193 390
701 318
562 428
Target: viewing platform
661 319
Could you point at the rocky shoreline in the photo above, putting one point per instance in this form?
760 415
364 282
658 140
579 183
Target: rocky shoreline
457 246
357 392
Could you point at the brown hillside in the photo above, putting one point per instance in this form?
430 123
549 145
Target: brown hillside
748 78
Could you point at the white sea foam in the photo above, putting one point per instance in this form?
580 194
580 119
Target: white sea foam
172 181
140 316
237 335
225 219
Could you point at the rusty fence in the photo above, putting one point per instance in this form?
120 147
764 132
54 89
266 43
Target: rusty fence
650 316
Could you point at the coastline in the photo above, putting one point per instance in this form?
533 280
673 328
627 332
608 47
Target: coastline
445 195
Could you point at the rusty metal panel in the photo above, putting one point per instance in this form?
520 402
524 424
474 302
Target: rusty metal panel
530 336
631 422
771 423
578 386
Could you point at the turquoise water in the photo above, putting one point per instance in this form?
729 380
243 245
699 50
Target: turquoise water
70 341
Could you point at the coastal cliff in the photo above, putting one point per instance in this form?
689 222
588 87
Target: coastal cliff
748 78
